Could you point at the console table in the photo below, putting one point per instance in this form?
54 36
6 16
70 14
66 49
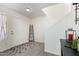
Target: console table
67 51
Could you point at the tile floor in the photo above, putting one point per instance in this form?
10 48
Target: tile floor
27 49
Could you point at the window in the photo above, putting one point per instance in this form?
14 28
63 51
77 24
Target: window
2 27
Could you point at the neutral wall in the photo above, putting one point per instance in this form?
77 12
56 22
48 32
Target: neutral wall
57 32
53 15
17 23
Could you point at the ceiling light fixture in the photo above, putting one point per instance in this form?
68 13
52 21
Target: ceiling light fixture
28 10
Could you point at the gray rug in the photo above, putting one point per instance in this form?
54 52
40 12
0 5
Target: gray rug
27 49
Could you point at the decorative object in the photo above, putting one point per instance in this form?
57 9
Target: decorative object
70 34
76 16
74 44
77 39
31 33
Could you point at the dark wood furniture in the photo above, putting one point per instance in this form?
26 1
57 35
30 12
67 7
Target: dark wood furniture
67 51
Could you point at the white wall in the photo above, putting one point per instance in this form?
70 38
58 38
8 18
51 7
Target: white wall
57 32
17 23
53 15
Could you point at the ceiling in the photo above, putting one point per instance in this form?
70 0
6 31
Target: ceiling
36 8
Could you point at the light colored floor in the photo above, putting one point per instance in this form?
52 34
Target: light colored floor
27 49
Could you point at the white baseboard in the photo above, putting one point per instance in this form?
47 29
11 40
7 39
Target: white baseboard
58 54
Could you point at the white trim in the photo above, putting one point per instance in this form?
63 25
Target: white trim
59 54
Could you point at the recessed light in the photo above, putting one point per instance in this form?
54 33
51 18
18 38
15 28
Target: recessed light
28 10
